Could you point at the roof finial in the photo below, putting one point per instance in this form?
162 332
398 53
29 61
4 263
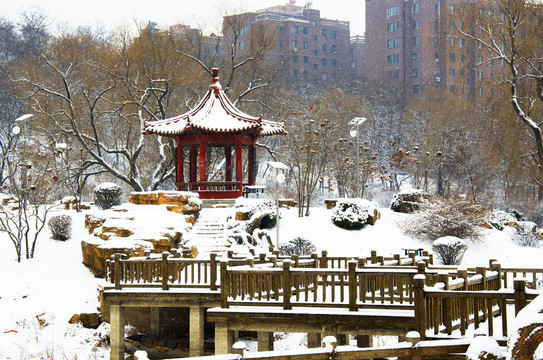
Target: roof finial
215 81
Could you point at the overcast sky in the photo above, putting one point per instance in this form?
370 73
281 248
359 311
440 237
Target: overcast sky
204 14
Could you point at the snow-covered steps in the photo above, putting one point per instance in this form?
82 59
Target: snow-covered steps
209 232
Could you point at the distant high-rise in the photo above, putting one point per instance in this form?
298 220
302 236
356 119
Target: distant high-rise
417 43
306 47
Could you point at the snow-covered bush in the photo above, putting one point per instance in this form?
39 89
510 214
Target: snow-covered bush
297 246
449 249
107 195
408 201
60 227
526 234
498 219
353 213
447 217
266 207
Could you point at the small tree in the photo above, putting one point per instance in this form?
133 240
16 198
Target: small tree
60 227
297 246
107 195
449 249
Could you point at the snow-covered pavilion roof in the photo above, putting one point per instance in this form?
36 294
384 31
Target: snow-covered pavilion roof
215 114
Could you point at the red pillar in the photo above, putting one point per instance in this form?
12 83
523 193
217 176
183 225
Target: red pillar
193 164
252 163
180 163
228 159
203 160
239 165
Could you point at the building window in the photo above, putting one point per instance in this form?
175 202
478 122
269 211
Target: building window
393 27
280 44
393 59
415 57
461 42
333 62
314 23
415 25
315 52
436 9
306 60
452 8
352 64
295 44
415 73
393 43
452 57
334 76
394 74
479 60
436 25
436 41
480 91
295 29
352 51
333 34
324 76
453 26
281 58
324 61
304 30
305 73
280 29
491 62
462 58
305 45
314 37
480 75
333 49
451 40
451 88
323 33
415 9
452 73
324 48
295 72
416 89
393 11
315 66
415 41
295 59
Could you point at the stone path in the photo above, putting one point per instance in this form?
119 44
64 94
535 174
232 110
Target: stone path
209 232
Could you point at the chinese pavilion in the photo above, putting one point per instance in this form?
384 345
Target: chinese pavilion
215 126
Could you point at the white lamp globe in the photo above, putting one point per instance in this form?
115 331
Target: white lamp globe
16 130
280 178
353 132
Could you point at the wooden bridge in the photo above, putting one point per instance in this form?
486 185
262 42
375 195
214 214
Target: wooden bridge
319 295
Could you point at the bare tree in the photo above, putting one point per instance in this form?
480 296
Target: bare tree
510 32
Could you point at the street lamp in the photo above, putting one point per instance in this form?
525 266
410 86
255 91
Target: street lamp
355 123
16 129
279 179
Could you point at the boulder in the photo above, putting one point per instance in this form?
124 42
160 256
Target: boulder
88 320
408 201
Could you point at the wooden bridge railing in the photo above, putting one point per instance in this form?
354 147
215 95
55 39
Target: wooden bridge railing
444 308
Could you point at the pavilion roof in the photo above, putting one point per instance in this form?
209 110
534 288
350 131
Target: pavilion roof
215 114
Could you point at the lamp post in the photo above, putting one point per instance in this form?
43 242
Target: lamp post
279 179
355 123
16 130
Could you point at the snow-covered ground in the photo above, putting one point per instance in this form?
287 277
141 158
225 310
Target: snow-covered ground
39 296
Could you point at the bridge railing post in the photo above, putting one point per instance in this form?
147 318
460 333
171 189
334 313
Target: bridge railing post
315 258
165 270
225 286
213 271
374 257
324 260
287 289
520 294
420 304
353 306
117 271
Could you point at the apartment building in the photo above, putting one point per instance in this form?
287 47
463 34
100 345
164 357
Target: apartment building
307 47
419 45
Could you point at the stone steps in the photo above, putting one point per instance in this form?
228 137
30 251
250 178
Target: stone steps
209 232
